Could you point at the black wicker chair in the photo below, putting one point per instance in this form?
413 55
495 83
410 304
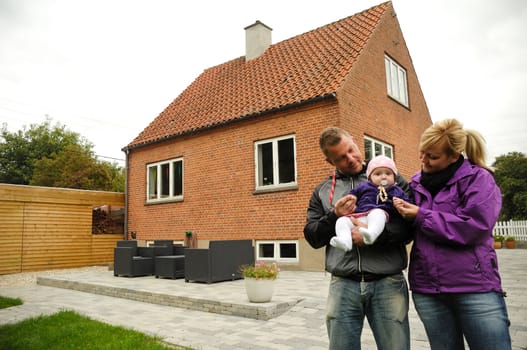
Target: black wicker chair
220 262
131 260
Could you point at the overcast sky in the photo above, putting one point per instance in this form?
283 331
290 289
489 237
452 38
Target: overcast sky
107 68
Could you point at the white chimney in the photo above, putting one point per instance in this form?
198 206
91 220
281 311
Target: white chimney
257 40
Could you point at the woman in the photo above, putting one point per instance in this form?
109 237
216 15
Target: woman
453 274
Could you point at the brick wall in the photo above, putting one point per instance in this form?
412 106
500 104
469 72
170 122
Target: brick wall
366 108
219 181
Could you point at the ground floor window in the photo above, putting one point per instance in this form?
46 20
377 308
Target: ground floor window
281 251
176 243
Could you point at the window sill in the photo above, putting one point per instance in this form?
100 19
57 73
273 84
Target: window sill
164 201
261 190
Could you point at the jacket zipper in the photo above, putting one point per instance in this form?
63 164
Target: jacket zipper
359 268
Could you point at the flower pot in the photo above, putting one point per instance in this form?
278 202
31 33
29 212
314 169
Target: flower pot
259 290
497 245
510 244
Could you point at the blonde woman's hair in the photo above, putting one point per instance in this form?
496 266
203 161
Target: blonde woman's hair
456 140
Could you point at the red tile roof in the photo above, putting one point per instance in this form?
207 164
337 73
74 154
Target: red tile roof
306 67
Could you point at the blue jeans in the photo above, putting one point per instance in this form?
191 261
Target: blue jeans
480 317
384 303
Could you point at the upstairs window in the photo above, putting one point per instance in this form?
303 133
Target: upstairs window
396 81
275 162
373 148
165 181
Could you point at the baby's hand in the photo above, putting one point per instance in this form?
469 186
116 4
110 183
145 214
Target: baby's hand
397 201
407 210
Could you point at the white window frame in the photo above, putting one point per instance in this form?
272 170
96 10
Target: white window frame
276 252
377 148
276 171
396 81
157 197
176 243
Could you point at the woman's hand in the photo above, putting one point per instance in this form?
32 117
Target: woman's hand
345 205
407 210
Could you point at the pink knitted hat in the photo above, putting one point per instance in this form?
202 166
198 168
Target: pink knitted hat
381 162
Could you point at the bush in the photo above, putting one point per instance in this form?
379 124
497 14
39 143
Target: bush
260 270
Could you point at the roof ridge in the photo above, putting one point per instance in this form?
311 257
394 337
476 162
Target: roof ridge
384 4
305 67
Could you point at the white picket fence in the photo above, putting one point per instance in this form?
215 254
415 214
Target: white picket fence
514 228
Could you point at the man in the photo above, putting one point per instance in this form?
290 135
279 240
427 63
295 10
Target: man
368 280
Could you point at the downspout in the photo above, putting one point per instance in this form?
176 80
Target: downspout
126 168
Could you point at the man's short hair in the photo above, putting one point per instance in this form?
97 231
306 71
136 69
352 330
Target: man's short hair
331 136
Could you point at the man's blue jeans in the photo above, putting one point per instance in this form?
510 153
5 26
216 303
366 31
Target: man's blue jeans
384 303
481 317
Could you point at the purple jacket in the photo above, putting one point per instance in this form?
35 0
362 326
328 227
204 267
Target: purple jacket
453 250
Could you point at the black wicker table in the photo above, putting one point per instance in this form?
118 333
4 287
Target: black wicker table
170 266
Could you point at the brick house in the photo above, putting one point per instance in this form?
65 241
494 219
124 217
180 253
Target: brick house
236 156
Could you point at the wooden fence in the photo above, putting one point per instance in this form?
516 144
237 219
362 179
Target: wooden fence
45 228
514 228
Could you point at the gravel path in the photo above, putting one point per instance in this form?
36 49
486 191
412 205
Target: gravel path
30 278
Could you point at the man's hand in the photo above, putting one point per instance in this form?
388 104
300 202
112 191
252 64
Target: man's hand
407 210
345 205
356 237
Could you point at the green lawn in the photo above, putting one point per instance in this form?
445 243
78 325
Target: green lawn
8 302
68 330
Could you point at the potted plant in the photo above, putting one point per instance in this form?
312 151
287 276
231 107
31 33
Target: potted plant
498 241
259 280
190 240
510 242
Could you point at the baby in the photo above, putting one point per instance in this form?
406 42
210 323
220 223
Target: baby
374 203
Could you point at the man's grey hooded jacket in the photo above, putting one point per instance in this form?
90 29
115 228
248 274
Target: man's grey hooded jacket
386 256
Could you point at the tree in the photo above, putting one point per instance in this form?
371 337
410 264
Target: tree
15 166
511 177
20 149
118 175
54 157
73 167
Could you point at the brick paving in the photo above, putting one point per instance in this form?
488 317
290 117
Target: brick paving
218 316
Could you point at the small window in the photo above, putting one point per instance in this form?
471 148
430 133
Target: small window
396 81
165 181
280 251
275 162
373 148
